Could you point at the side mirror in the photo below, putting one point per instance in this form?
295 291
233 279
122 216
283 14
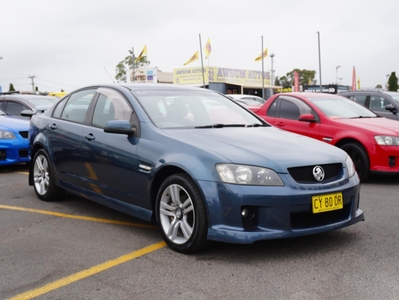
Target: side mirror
391 108
119 126
27 113
307 118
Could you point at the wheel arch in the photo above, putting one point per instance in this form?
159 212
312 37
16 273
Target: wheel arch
160 176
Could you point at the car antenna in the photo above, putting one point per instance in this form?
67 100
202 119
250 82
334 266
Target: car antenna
109 75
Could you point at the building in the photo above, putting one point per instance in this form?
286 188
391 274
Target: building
226 80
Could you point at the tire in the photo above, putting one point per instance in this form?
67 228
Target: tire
44 178
181 214
360 158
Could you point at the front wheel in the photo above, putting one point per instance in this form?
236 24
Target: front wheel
360 158
44 178
181 214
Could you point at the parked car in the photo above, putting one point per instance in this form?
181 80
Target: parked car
371 141
14 142
246 98
385 104
199 164
14 104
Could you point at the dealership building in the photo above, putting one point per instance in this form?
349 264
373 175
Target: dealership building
223 80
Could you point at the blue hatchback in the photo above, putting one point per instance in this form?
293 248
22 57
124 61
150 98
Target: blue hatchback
192 160
14 142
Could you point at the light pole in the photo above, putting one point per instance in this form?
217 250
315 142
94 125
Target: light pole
318 42
336 73
272 71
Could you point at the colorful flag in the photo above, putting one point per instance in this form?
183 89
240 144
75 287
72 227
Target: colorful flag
354 79
296 81
208 48
193 58
142 53
264 54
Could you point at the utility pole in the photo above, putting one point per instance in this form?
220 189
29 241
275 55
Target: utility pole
33 84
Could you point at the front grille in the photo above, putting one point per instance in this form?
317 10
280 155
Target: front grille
24 134
307 219
305 174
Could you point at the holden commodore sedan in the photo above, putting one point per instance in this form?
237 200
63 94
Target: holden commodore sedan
371 141
14 142
192 160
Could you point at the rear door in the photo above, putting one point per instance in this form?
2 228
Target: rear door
65 134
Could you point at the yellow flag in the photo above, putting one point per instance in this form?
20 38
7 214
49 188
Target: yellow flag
264 54
142 53
358 83
208 48
193 58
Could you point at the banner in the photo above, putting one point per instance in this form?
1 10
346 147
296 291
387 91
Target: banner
354 79
208 48
193 58
296 81
142 53
262 55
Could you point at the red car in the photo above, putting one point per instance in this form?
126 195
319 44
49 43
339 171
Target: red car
371 141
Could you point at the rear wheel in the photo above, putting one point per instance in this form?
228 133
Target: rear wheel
360 158
43 177
181 214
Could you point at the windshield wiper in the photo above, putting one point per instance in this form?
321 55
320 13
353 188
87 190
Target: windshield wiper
219 125
362 117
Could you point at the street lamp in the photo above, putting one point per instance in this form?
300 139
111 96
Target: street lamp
271 75
336 74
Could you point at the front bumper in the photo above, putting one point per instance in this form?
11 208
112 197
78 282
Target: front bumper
280 212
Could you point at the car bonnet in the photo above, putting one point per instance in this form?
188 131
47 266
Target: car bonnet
263 146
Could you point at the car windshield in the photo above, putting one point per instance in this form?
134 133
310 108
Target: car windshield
200 109
340 107
394 95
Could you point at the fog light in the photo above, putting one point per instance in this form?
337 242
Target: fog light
248 214
391 161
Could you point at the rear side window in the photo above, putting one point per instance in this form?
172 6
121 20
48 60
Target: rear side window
361 99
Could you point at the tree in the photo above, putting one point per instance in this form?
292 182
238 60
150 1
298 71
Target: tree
126 64
393 82
36 89
305 76
11 88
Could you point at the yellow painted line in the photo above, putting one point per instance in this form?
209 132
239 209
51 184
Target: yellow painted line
88 272
85 218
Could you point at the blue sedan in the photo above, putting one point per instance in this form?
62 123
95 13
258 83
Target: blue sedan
192 160
14 142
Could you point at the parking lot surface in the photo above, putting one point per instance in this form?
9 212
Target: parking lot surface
77 249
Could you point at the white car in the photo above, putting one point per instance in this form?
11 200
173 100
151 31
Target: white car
248 99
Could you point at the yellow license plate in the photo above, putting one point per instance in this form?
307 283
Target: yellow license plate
328 202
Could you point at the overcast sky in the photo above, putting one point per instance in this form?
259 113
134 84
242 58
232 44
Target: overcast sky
70 44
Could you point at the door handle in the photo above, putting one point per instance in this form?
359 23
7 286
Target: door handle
280 124
90 137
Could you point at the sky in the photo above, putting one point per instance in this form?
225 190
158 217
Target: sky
70 44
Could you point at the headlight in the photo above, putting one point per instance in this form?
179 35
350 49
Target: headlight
249 175
350 166
387 140
6 135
